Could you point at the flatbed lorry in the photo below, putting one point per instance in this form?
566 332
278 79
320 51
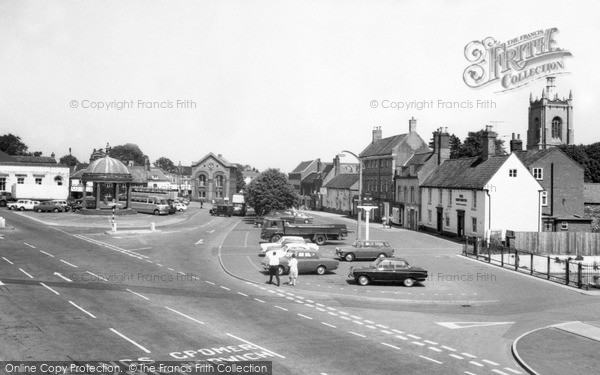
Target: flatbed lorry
273 229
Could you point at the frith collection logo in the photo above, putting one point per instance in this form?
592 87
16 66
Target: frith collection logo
516 62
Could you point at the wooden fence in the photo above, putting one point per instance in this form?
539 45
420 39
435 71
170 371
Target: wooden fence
558 243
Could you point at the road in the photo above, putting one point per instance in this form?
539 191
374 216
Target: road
78 294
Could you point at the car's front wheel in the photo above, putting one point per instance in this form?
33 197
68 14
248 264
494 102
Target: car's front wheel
259 225
409 282
363 280
39 210
275 238
56 210
349 257
321 270
156 212
21 208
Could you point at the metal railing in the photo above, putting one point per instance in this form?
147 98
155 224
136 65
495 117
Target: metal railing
567 271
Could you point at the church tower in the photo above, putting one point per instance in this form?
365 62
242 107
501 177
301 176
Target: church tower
550 119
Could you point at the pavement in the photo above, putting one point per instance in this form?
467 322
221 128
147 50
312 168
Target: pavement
566 348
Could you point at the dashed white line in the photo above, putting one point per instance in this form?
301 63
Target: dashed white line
242 294
345 317
328 325
386 332
70 264
414 337
304 316
369 322
418 343
184 315
359 323
357 334
99 277
259 300
50 289
43 252
355 317
499 372
435 349
490 362
160 265
401 337
7 260
209 282
476 363
390 345
332 313
448 348
281 308
309 305
309 301
513 371
31 246
320 309
87 312
455 356
31 277
430 359
381 326
469 373
137 294
62 277
430 342
344 313
395 330
224 287
170 269
130 340
469 355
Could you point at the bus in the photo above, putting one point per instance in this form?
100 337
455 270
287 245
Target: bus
149 205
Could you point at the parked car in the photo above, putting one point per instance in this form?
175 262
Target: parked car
48 206
365 249
388 270
63 203
270 246
180 206
308 260
221 210
22 205
75 205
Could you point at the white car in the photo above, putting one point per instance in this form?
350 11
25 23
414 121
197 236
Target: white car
286 250
180 206
270 246
22 205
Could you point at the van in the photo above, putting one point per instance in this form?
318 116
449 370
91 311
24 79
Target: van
150 205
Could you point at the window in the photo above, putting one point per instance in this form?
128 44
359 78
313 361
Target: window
429 216
564 226
412 194
202 181
474 199
38 181
430 193
20 180
447 221
2 183
538 173
440 196
544 198
547 226
219 181
512 173
449 197
557 128
474 223
405 194
58 180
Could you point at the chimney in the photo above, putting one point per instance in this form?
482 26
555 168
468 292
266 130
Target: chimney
376 133
441 145
412 125
336 165
147 160
488 143
53 156
516 144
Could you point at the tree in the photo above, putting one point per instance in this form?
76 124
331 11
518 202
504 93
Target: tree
455 145
128 152
165 164
271 190
472 146
12 145
586 156
240 184
69 160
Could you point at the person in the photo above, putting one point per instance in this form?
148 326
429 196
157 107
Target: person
384 221
273 268
201 204
293 270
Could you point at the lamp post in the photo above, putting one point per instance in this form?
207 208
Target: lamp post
359 203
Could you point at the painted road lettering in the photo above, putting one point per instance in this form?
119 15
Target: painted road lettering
241 352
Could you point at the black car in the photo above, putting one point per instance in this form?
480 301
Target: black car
388 270
221 210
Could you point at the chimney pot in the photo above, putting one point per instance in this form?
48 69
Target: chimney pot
412 125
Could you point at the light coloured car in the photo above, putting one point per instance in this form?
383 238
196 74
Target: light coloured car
48 206
62 203
270 246
23 204
180 206
308 261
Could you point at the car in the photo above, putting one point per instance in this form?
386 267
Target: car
264 247
180 206
388 270
63 203
221 210
48 206
308 260
365 249
301 217
291 216
22 205
75 204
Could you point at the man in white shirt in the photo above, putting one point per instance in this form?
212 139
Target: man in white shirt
273 267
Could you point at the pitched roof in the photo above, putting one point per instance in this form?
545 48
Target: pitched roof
465 173
383 146
530 157
7 159
591 193
302 166
219 158
417 160
342 181
138 174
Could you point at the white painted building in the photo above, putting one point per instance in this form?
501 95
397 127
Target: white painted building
481 195
33 177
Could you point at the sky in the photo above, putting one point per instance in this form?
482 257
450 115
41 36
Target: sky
273 83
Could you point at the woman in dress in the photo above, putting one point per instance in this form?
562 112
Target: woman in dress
293 270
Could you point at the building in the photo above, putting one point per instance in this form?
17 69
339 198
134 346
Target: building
550 119
306 179
407 208
213 178
340 193
562 180
380 160
33 177
481 196
591 199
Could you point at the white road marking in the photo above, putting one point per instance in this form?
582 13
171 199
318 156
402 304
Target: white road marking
224 287
320 304
386 332
357 334
355 317
62 277
259 300
401 337
455 356
332 313
50 289
246 239
435 349
476 363
332 309
137 294
209 282
70 264
50 255
430 342
308 305
210 231
345 317
7 260
414 336
344 313
359 323
31 277
260 347
31 246
242 294
368 321
380 326
371 327
184 315
469 355
200 241
90 314
469 373
490 362
459 325
309 301
418 343
99 277
329 325
430 359
513 371
448 348
281 308
170 269
130 340
391 346
320 309
395 330
499 372
304 316
160 265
